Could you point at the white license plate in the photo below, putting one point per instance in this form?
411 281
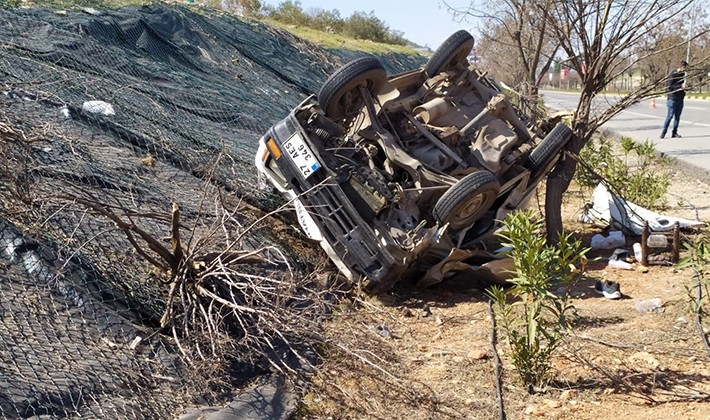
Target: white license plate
301 154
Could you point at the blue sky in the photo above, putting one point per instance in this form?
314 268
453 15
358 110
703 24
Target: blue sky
425 22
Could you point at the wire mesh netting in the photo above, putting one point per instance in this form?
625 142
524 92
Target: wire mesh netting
107 117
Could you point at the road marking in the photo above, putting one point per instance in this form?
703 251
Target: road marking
663 118
643 115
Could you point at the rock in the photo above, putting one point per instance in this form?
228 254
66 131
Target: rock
568 394
407 313
644 356
477 354
551 403
641 268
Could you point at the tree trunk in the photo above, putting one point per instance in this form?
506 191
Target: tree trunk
559 179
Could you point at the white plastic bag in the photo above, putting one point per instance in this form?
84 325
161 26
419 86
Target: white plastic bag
98 107
615 239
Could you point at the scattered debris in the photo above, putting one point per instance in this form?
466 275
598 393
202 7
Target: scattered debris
477 354
615 239
610 289
620 259
650 305
620 264
98 107
608 209
638 252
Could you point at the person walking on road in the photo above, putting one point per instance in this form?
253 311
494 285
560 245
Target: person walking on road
675 86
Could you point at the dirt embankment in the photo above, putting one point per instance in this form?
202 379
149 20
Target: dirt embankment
131 110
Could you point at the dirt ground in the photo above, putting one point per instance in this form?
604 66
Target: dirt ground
428 355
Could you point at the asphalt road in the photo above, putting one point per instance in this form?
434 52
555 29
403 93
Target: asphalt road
644 121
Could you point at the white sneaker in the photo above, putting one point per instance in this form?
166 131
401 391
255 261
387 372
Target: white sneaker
610 289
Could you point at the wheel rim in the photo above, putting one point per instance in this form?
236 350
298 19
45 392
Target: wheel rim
350 101
340 95
468 211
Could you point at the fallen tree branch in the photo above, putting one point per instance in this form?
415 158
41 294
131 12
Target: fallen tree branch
127 228
605 343
368 362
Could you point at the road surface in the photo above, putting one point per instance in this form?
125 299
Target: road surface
644 121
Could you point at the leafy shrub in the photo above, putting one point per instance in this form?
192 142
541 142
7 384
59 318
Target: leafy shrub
289 12
639 175
536 319
698 292
359 25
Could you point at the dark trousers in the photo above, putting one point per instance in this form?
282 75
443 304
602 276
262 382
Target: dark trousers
675 107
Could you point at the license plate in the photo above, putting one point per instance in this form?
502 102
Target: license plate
301 155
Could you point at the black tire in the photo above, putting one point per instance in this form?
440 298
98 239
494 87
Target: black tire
339 96
542 156
467 200
454 49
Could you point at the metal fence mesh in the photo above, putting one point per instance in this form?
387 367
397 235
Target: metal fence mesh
190 93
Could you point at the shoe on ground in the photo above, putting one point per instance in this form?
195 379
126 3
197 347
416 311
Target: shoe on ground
676 135
610 289
663 135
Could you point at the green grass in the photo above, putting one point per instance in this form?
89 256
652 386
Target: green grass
335 41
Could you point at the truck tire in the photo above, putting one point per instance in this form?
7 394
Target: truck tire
454 49
339 96
467 200
542 156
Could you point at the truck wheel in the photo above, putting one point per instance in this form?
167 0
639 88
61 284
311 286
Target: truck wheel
542 156
454 49
339 96
467 200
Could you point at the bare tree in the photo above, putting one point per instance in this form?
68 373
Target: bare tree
515 32
602 41
497 59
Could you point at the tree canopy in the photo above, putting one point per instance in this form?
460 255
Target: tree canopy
359 25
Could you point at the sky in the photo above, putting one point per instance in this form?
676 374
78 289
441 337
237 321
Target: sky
424 22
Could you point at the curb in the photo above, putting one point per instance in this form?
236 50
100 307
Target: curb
688 169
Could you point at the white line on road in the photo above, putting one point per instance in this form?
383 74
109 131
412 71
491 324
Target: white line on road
663 118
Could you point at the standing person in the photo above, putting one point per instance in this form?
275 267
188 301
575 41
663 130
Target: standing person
675 86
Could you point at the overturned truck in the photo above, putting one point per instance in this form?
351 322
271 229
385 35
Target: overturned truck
400 177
